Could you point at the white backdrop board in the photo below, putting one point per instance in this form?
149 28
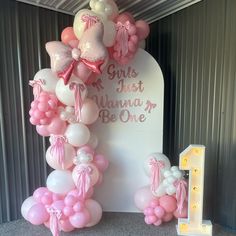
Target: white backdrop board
129 128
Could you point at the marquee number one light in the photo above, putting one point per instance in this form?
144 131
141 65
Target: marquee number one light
193 159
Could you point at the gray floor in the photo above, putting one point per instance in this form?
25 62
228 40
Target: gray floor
112 224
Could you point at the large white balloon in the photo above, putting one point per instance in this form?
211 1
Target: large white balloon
157 157
26 205
65 94
48 78
77 134
60 182
109 33
93 141
69 154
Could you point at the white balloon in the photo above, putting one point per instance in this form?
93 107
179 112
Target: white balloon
93 140
48 78
158 157
60 182
109 33
69 154
77 134
65 94
171 190
160 191
26 205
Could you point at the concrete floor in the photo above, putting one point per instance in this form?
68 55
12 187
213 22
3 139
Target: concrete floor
112 224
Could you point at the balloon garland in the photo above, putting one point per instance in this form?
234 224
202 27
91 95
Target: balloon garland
62 110
166 196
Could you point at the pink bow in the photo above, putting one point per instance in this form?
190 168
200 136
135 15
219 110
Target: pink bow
122 38
57 148
181 193
78 89
37 86
156 167
83 182
55 216
89 20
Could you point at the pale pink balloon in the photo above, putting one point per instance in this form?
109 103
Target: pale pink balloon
126 16
69 154
66 226
159 211
79 206
39 192
154 203
95 211
89 112
26 205
168 203
80 219
143 29
82 71
68 211
70 200
57 126
42 130
152 219
142 197
158 222
47 199
37 214
148 211
101 162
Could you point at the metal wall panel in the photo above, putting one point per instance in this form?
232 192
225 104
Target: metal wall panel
196 49
24 31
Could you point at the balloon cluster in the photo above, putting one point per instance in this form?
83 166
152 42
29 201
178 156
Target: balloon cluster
63 111
166 196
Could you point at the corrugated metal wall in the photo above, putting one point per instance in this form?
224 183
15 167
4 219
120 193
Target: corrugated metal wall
24 31
196 49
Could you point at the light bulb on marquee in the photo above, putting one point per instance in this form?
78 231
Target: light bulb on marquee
193 159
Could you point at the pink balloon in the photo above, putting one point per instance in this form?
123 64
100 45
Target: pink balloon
146 219
167 217
42 130
148 211
57 126
47 199
67 35
91 79
152 219
59 205
82 71
154 203
70 200
89 112
79 206
159 211
66 226
168 203
143 197
143 29
126 16
95 211
158 222
101 162
39 192
80 219
37 214
68 211
183 213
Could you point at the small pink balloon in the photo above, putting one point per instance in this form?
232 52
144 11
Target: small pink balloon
57 197
68 211
42 130
46 200
66 226
89 112
44 121
167 217
142 197
79 206
158 222
134 39
57 126
143 29
148 211
159 211
39 193
37 214
146 219
33 120
126 16
154 203
168 203
95 211
34 104
152 219
70 200
59 205
67 35
38 114
101 162
43 106
80 219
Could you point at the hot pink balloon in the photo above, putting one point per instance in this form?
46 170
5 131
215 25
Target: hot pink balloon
95 211
101 162
37 214
143 197
143 29
80 219
67 35
168 203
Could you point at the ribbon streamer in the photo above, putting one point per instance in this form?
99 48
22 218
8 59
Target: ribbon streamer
57 149
37 86
83 182
181 194
122 38
156 167
55 216
78 89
